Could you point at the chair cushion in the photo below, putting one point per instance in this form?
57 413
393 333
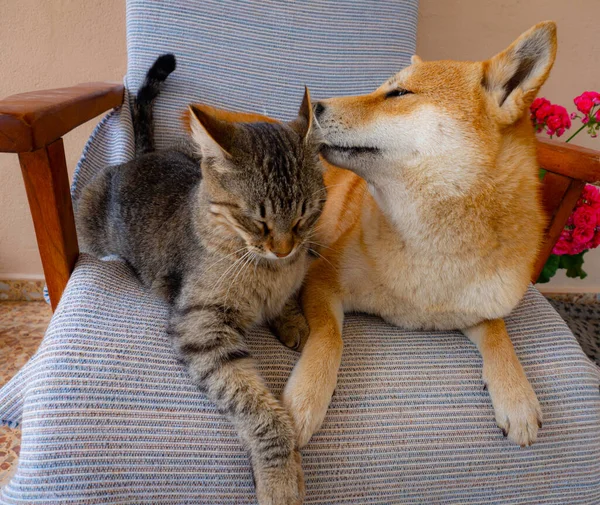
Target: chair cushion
110 416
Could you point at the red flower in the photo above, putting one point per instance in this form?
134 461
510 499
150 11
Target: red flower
583 104
591 194
582 235
543 112
582 231
537 103
585 217
563 246
587 97
554 122
593 96
558 121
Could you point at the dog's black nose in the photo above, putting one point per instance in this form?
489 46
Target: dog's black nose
319 109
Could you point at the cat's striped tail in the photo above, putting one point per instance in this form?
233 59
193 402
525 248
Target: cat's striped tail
143 120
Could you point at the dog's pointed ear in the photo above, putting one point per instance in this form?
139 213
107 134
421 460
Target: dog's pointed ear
303 124
415 59
214 137
513 77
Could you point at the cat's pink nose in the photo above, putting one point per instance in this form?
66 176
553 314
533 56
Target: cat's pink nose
282 254
283 248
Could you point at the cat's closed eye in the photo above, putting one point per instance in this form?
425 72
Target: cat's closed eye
301 223
263 227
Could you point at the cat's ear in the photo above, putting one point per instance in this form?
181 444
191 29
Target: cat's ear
303 124
213 136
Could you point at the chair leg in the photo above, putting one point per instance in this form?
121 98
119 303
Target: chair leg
47 185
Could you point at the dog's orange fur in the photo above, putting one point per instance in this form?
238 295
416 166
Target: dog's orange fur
443 226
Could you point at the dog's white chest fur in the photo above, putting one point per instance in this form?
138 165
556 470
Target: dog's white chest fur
426 280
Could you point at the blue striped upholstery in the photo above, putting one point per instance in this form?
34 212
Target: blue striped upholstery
108 414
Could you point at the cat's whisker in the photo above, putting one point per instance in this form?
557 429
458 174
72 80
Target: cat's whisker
231 267
309 238
323 257
210 267
223 275
238 265
327 187
248 257
321 245
318 226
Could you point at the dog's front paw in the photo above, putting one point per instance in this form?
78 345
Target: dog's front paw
307 402
517 409
281 484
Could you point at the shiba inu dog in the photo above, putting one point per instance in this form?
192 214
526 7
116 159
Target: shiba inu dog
436 222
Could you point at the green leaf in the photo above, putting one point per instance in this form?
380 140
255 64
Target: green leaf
549 269
542 174
574 265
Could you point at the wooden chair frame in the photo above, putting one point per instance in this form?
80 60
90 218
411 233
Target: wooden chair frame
32 125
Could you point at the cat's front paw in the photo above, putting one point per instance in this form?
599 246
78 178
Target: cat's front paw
281 484
292 331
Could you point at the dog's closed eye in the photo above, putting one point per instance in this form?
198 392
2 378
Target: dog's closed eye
397 92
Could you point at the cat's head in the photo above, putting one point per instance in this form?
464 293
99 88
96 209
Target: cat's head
264 179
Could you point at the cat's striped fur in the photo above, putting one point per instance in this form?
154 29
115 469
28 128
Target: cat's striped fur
225 241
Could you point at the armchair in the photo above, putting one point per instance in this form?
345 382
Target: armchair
110 416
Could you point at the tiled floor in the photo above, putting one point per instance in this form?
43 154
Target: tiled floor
22 326
584 320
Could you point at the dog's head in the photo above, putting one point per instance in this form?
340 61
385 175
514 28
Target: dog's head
434 111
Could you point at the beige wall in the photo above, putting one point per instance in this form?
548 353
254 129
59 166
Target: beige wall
70 41
48 44
477 29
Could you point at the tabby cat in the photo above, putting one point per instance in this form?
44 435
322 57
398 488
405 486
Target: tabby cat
221 231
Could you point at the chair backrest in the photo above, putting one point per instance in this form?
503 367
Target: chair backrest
257 55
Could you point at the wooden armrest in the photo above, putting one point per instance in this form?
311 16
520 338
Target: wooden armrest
571 161
30 121
32 125
568 168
